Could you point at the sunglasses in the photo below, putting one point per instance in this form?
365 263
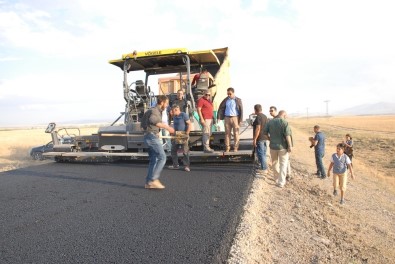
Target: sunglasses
208 94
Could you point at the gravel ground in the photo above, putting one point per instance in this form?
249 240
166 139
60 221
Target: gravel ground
305 223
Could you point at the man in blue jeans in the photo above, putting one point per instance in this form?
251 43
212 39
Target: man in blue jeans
259 140
318 142
152 123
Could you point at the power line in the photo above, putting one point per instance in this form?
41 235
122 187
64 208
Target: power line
327 111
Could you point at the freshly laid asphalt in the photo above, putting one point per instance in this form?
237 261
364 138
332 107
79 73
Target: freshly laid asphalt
101 213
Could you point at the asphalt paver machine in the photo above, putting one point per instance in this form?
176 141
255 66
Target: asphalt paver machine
123 138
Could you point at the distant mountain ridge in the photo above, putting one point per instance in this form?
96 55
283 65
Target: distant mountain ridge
381 108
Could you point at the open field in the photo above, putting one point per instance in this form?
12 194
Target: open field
373 138
16 143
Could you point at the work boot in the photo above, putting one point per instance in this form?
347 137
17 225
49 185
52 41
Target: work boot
208 150
261 173
155 184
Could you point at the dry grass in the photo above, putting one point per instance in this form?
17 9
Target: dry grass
16 143
373 137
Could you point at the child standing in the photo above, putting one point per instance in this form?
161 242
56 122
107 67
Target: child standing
340 162
349 146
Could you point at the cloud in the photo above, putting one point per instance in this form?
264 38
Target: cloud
279 50
5 59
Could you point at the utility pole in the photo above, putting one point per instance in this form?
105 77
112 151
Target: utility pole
327 112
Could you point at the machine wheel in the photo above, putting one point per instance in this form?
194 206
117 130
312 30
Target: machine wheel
37 156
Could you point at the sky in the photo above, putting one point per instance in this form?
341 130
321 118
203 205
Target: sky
303 56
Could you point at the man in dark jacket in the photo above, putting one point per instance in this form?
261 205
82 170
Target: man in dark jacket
231 110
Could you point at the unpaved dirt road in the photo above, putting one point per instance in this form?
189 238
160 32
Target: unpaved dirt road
304 222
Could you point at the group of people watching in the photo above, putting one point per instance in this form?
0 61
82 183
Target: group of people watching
278 132
273 132
157 120
230 110
340 162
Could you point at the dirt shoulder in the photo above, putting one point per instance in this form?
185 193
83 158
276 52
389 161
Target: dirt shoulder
304 222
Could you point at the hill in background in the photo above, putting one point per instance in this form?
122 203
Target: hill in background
382 108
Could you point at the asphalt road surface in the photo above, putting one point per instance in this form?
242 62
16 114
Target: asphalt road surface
101 213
